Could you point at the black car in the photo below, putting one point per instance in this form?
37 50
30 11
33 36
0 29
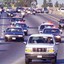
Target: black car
23 26
45 10
61 23
14 34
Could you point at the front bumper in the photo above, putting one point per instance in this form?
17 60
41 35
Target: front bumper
12 38
40 56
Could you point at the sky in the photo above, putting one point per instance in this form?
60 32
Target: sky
53 1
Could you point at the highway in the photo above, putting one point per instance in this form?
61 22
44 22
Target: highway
13 52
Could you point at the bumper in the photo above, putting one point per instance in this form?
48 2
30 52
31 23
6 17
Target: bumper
40 56
18 39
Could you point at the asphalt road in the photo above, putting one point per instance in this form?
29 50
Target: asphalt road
13 53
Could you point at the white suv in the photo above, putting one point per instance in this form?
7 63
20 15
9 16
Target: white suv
41 46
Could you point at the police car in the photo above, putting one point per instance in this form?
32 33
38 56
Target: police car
55 31
41 46
61 23
44 25
23 26
14 20
14 34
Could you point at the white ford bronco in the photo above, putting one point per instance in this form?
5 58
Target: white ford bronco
41 46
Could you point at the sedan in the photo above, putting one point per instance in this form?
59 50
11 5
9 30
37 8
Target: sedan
14 34
55 31
23 26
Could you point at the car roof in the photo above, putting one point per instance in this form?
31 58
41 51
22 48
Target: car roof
51 28
35 35
47 23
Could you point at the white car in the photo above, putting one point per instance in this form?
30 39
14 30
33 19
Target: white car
41 46
44 25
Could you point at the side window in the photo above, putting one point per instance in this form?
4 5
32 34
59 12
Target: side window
42 27
49 40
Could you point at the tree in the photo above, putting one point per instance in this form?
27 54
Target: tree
44 3
56 4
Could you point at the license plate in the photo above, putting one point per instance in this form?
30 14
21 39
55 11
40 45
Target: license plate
39 56
13 38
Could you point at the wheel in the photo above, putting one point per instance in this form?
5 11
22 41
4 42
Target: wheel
6 39
59 26
27 61
53 61
26 33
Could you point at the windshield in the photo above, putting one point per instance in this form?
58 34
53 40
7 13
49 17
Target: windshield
14 30
51 31
62 21
44 26
16 19
45 40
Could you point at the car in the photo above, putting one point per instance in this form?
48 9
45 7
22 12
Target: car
38 10
11 14
45 10
12 34
18 9
55 31
41 46
17 19
61 23
44 25
24 26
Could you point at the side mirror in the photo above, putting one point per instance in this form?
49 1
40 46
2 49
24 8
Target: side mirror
25 43
27 26
57 43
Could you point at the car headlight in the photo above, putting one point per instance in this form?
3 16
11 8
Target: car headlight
9 14
57 36
28 50
19 10
23 13
51 50
20 35
25 30
7 35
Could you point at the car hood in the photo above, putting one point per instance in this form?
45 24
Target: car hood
14 33
39 45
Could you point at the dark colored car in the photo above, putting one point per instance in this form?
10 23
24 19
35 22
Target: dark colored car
18 9
14 20
45 10
24 26
61 23
11 13
14 34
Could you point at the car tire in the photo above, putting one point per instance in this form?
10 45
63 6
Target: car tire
60 41
27 61
26 33
6 39
59 26
53 61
